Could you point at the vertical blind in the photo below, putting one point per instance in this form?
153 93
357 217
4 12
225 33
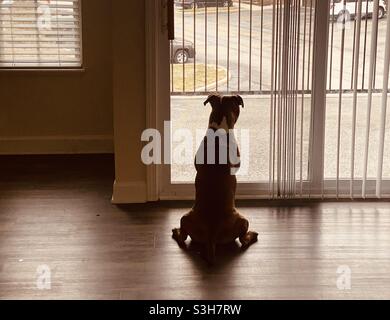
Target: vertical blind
360 113
40 33
291 66
357 121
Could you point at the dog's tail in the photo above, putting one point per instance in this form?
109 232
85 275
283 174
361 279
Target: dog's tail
210 252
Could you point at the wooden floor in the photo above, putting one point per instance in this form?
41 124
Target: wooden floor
56 211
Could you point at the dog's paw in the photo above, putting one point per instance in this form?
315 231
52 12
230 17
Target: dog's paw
176 234
250 238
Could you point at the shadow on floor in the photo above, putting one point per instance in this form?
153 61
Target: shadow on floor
225 255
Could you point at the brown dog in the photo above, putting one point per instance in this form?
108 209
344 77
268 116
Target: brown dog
214 219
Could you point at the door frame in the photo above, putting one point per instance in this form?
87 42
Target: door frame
155 32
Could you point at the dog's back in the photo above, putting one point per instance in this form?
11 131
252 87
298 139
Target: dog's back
215 185
215 194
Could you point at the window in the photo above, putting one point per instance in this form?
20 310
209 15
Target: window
40 34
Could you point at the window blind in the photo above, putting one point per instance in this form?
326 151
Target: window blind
40 33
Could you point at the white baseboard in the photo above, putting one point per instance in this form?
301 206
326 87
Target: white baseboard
129 192
56 145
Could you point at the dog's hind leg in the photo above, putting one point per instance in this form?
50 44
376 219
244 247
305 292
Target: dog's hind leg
181 234
247 238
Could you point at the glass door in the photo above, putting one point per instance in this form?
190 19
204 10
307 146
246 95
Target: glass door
230 47
315 91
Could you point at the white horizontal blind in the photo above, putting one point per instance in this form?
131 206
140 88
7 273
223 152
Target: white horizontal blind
40 33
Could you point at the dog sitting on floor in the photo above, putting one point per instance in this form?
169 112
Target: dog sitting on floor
214 219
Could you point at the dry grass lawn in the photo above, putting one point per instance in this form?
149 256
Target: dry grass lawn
192 83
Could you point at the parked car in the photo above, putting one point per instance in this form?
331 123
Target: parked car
337 9
191 4
180 53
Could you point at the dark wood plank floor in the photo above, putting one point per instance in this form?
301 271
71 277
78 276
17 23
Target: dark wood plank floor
56 211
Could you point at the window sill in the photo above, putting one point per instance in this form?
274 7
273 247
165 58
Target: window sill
42 70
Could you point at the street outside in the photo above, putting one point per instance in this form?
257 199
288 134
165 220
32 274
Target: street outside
187 111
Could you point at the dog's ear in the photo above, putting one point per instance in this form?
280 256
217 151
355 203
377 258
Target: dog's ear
239 100
214 100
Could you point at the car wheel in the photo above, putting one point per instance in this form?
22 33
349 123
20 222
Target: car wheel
343 15
194 5
381 12
181 56
226 4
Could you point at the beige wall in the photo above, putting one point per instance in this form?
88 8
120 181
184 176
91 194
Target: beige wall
74 112
45 112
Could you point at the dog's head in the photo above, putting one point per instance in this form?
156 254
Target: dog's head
225 111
